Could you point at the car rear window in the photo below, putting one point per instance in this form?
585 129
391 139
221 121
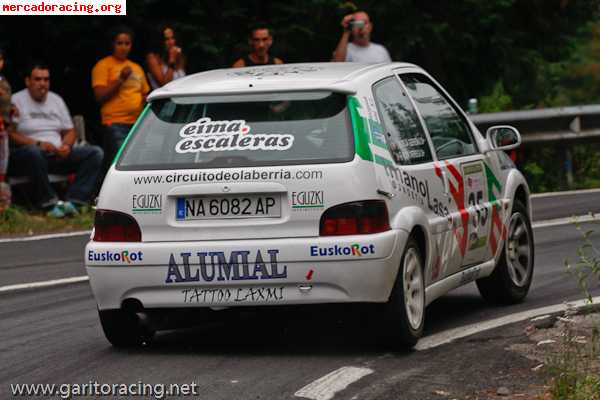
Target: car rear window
240 131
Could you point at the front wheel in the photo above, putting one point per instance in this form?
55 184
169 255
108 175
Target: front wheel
511 279
404 313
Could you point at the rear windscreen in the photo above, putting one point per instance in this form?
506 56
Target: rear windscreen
252 130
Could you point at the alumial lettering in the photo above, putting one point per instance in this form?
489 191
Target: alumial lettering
353 250
208 266
112 256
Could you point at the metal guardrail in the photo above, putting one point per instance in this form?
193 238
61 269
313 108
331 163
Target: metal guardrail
549 124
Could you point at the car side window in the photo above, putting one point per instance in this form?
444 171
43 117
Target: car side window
449 132
404 133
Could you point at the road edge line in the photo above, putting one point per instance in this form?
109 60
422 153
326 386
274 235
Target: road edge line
563 193
451 335
36 285
44 237
565 221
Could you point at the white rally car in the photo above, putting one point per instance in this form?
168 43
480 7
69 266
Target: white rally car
303 184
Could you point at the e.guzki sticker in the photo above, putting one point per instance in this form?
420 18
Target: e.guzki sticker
206 135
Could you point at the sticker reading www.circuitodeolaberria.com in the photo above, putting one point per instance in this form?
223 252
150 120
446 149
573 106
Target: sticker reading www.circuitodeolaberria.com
206 135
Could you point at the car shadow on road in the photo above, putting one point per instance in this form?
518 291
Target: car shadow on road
313 330
457 309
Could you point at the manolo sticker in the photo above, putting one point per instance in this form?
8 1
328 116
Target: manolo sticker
206 135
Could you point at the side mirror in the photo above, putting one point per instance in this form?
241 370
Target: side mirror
503 137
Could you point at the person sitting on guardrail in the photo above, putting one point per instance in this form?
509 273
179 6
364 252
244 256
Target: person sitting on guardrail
43 143
6 112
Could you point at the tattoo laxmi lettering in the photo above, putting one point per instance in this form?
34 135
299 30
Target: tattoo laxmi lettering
238 295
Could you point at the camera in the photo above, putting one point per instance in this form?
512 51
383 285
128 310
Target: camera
352 24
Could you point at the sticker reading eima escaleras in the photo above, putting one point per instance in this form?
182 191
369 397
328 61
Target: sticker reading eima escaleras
206 135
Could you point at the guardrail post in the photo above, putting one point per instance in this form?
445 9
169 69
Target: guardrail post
569 167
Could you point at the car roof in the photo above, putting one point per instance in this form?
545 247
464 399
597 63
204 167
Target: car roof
335 76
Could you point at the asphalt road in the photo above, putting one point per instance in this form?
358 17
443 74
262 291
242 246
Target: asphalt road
52 335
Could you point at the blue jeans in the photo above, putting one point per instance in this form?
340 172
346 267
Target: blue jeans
84 161
116 134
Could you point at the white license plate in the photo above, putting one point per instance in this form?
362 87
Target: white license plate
227 207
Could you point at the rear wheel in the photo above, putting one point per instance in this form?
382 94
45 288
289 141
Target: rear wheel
404 313
511 279
124 329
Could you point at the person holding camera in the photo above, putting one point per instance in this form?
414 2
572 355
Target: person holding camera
358 27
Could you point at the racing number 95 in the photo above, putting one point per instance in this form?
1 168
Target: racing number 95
481 212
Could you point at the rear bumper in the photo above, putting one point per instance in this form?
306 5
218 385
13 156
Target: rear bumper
246 272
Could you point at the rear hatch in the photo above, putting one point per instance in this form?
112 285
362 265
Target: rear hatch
237 167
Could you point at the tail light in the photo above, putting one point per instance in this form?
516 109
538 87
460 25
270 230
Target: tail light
356 218
114 226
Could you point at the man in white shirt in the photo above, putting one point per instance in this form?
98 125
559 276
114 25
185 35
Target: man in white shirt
360 49
43 143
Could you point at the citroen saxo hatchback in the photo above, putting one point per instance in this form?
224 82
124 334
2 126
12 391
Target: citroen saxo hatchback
302 184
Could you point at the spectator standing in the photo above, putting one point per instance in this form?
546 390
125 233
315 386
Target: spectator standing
358 27
5 125
260 41
120 87
165 61
44 139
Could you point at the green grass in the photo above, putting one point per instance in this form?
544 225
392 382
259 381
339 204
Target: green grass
17 221
575 368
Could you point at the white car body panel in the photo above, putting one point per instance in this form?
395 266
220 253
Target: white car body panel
423 197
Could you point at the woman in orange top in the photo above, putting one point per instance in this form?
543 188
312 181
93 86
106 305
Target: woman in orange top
120 87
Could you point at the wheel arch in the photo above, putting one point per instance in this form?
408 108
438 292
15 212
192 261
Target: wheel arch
414 221
517 189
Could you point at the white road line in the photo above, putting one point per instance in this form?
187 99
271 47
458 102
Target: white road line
327 386
33 285
565 193
560 221
538 224
43 237
450 335
565 221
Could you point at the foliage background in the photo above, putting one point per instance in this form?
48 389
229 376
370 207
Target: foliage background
511 54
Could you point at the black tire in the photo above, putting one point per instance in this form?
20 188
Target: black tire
511 279
124 329
403 323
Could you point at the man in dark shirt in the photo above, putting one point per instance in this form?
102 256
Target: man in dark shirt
260 42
